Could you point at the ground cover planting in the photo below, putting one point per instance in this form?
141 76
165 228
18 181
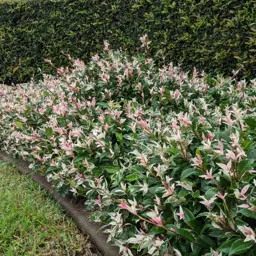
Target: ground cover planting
31 223
165 159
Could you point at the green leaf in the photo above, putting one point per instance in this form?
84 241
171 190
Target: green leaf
195 224
248 213
97 172
172 150
18 124
48 132
102 104
198 152
223 135
251 122
132 177
119 137
196 194
244 165
225 247
188 214
46 94
104 155
188 172
239 247
216 233
252 154
224 181
111 169
156 230
138 168
117 192
28 109
185 233
196 250
207 241
81 151
211 193
252 252
51 169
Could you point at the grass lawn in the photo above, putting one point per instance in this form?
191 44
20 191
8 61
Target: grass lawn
31 223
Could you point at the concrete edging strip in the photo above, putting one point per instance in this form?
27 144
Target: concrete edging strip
77 213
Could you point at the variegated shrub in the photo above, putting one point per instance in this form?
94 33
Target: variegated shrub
165 159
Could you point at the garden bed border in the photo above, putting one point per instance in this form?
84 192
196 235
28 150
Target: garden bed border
77 212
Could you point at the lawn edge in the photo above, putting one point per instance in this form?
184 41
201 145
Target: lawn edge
77 212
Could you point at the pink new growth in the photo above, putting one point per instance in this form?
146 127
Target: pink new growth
74 191
67 146
181 213
197 161
41 110
133 127
157 221
201 120
244 190
174 125
143 160
93 102
228 120
144 38
241 195
203 137
210 136
226 168
170 190
2 92
99 201
208 203
106 46
144 125
177 94
124 206
144 41
231 155
221 196
104 77
244 206
208 175
184 120
75 132
220 150
248 232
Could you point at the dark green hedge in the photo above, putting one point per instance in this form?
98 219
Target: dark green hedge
215 35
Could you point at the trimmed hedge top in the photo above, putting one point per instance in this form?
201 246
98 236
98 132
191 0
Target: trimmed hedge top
214 35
